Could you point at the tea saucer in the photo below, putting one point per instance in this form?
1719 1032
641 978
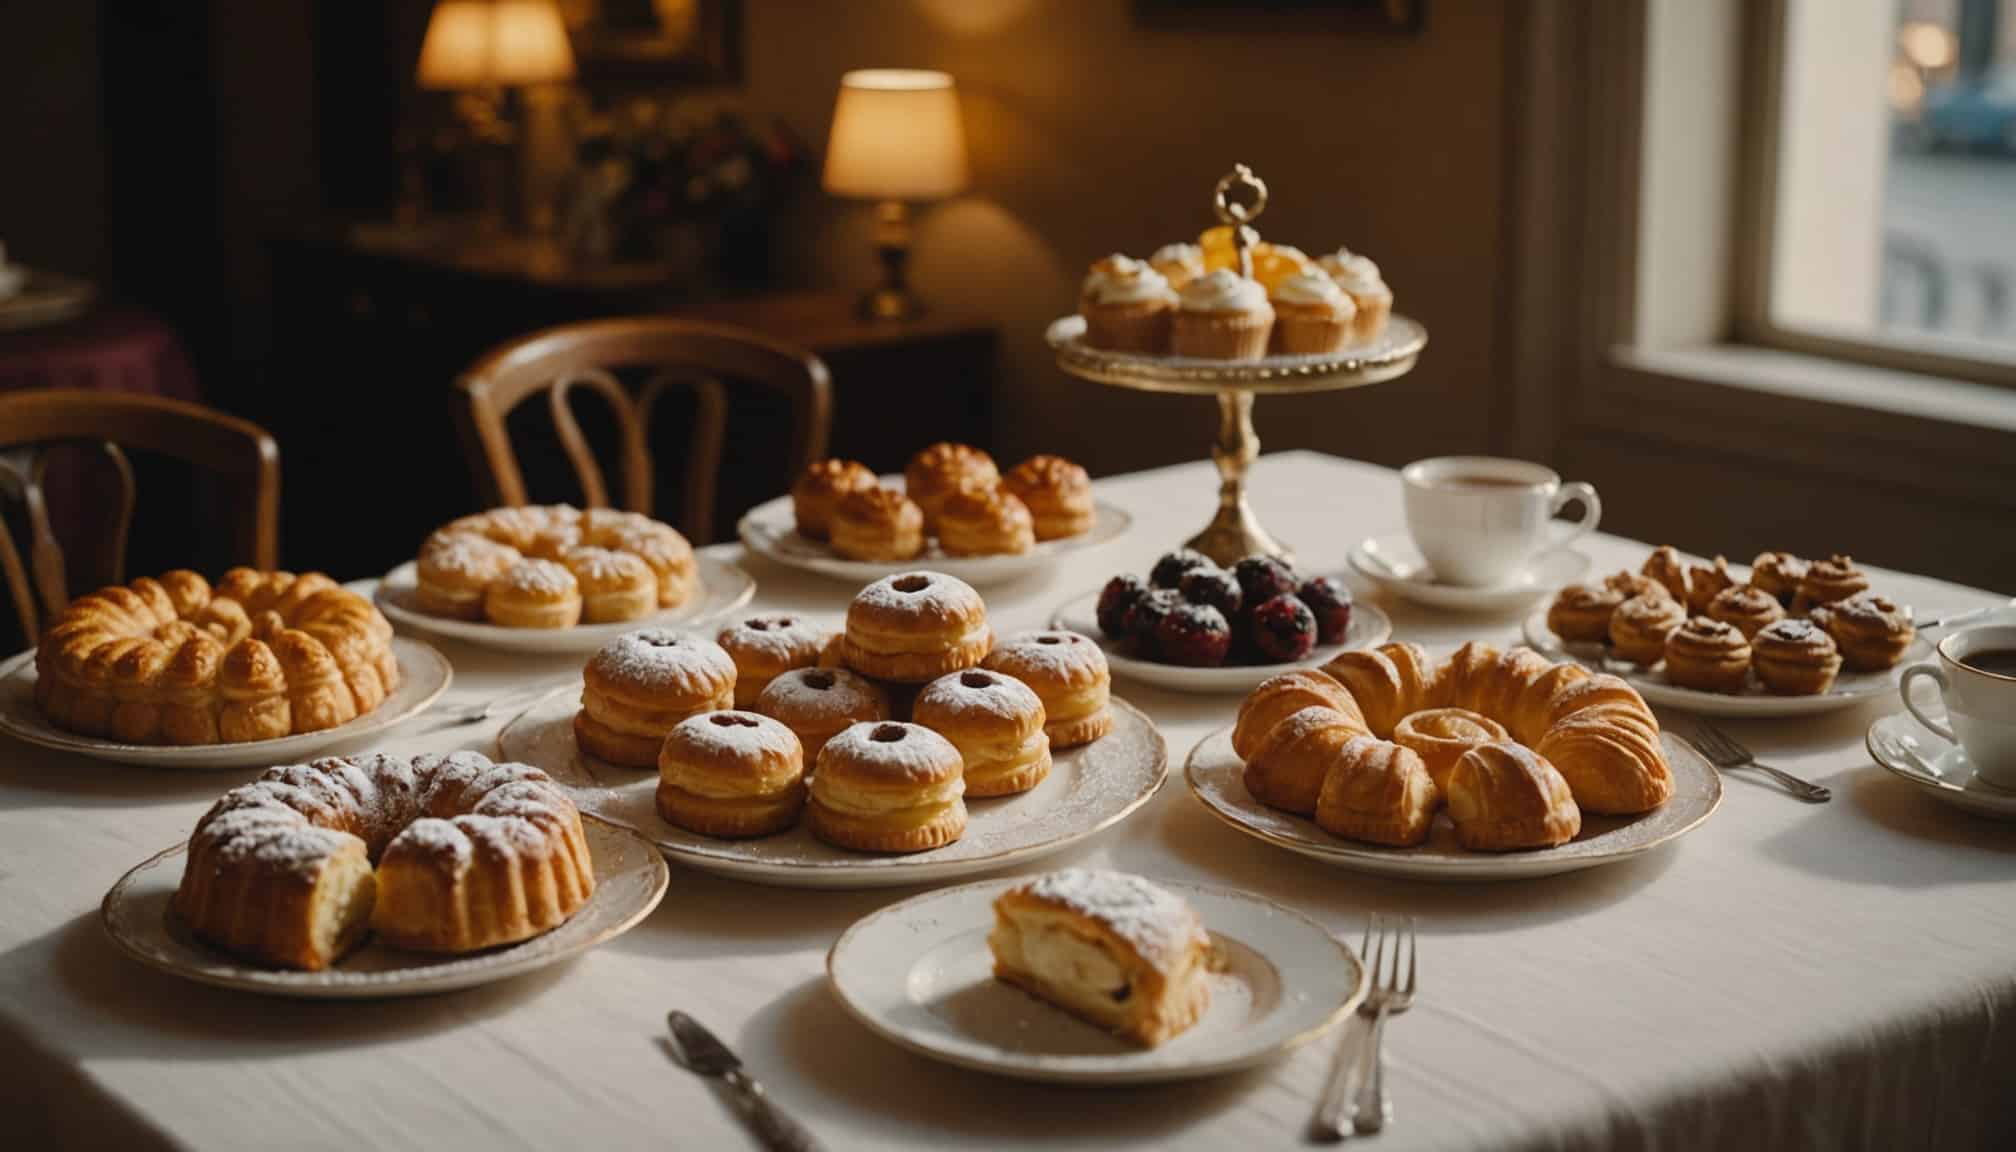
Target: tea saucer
1393 563
1912 752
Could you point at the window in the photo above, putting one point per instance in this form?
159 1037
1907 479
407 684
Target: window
1885 162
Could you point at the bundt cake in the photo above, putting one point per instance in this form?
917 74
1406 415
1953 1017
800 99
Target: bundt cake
439 853
176 661
600 548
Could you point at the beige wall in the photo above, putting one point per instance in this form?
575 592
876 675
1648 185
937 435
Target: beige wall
1089 134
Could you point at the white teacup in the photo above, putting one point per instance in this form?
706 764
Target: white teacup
1478 519
1980 700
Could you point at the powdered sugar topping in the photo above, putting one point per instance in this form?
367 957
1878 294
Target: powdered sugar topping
1156 922
659 658
742 735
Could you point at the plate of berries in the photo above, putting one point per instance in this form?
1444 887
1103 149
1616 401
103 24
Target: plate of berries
1192 626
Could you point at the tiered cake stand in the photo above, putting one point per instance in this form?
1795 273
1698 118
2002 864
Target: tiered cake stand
1234 531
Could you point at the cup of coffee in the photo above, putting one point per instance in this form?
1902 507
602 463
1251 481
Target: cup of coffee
1975 669
1478 519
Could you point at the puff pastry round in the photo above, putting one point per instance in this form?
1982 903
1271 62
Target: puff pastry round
888 787
1835 578
615 586
454 570
1058 494
878 524
996 723
1873 632
641 685
815 495
1069 675
914 627
819 703
534 593
767 646
991 521
1795 657
460 562
1440 736
1746 606
731 775
1639 627
1778 573
1505 797
1580 613
1709 655
937 472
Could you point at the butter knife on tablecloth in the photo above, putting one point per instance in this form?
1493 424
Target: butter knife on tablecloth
704 1054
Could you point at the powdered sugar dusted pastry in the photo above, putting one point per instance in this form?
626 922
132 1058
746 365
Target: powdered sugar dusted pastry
731 774
455 568
766 646
879 524
815 495
533 594
914 627
820 703
995 722
614 585
888 787
1068 673
1108 947
642 684
1057 493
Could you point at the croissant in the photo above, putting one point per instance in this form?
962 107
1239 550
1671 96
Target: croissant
1280 697
1504 797
1388 682
1611 763
1378 792
1287 772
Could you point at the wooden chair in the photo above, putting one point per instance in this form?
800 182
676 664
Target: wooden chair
237 451
709 358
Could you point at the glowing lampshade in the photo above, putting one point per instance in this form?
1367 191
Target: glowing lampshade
896 136
471 43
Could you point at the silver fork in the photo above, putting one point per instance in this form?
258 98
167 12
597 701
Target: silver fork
1388 996
1723 751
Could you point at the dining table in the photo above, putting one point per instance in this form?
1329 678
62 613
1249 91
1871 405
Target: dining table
1787 975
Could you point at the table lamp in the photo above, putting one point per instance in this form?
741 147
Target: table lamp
478 48
896 138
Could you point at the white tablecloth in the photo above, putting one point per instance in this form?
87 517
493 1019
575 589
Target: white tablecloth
1787 976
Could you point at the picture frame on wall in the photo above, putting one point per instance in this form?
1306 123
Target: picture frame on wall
625 45
1295 17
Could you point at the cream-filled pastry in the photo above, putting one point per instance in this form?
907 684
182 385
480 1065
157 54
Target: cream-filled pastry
731 774
888 787
996 722
642 684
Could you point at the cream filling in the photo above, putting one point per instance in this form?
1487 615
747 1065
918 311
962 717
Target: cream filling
861 802
899 644
1065 959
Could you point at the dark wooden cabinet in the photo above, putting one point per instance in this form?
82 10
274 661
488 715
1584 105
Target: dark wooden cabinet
372 326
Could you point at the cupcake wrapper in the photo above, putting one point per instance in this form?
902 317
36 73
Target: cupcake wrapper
1310 335
1222 335
1371 319
1142 328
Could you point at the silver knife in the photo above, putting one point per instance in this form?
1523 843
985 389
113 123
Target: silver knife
704 1054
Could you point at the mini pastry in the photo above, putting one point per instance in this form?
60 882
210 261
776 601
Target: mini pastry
764 647
1746 606
1279 697
454 570
1632 585
1057 493
995 722
1222 316
1873 632
1178 263
815 495
1388 682
990 521
1639 627
614 585
1127 306
1287 770
1705 582
1360 279
1708 656
1795 657
1068 673
887 787
879 524
731 774
1611 757
1779 573
1107 947
669 555
1666 566
1440 736
820 703
556 538
1505 797
914 627
1581 613
1312 315
642 684
1835 578
533 594
1378 792
934 474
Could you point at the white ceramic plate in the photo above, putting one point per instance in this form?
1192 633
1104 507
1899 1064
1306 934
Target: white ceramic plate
1850 688
1369 628
424 675
770 531
1916 754
723 589
1393 563
630 879
920 975
1217 776
1088 789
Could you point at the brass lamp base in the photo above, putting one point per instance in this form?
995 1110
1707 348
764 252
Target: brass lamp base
891 299
1234 532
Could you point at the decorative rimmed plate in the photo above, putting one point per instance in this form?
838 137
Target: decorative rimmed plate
723 589
1369 628
1216 775
630 879
1850 688
1393 563
1392 354
424 674
920 975
1914 753
770 531
1088 789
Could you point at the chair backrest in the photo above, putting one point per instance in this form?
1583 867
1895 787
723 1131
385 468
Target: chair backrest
709 358
234 449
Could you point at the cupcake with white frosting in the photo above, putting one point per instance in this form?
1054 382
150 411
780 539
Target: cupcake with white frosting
1312 315
1178 263
1127 306
1359 278
1223 316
